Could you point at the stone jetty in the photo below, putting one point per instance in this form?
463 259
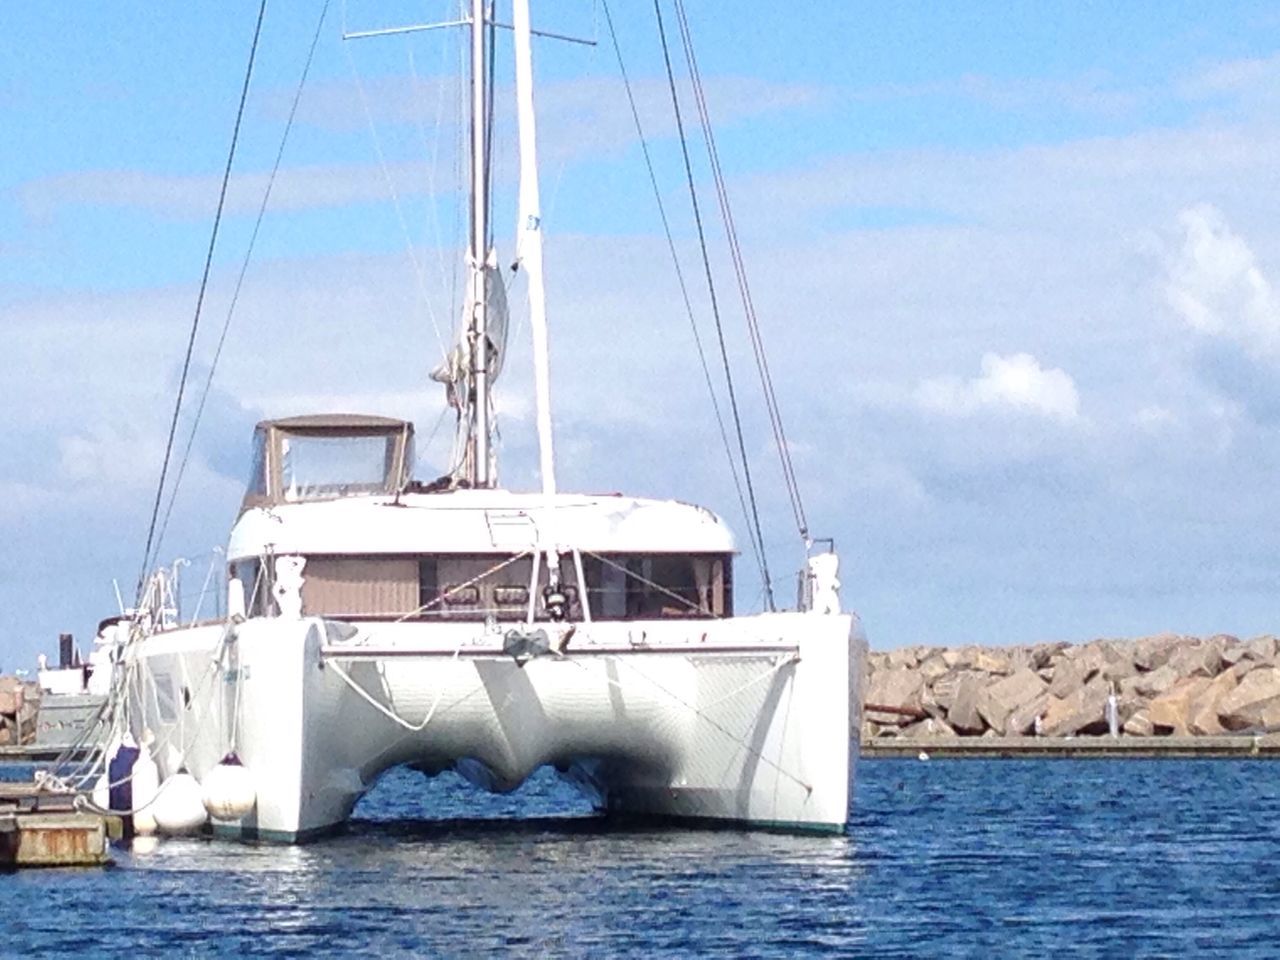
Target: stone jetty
1159 686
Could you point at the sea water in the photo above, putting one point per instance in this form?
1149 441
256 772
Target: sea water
983 858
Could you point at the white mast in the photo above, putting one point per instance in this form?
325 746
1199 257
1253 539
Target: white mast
481 475
529 239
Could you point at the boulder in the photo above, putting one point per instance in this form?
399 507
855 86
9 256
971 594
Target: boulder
1150 653
895 688
1084 711
963 713
1139 725
1204 709
928 729
12 695
1261 649
1043 653
1171 711
929 703
1197 660
944 688
1092 655
903 658
933 667
1019 658
1070 675
1002 698
1254 703
993 714
1128 704
1241 668
1151 684
1118 664
992 661
1022 720
1235 654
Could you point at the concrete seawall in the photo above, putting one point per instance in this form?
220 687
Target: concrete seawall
1157 695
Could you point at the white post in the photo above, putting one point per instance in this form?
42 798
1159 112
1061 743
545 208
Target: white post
529 240
477 335
529 245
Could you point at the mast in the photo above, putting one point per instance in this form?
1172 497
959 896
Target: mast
477 335
529 239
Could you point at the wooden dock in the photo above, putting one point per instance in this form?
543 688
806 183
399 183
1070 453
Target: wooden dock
1261 746
40 828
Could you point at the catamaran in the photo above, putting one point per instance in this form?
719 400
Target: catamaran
376 620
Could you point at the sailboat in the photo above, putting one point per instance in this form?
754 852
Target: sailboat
375 620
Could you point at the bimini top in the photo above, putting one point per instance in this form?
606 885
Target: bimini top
336 422
328 456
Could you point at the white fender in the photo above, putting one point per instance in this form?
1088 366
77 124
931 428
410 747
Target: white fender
179 809
146 783
229 791
101 796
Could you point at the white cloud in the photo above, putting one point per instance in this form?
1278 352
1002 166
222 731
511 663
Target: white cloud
578 120
584 114
1154 418
1247 85
1014 383
1095 92
1217 288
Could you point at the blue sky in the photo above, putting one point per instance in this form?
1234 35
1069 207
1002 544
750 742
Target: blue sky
1016 269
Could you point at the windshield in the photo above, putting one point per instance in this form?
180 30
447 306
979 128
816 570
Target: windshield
329 466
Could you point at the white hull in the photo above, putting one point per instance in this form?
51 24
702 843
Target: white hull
744 720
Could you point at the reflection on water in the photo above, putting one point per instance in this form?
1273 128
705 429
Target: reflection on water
483 878
1007 858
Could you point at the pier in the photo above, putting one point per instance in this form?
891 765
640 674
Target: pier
1128 747
41 828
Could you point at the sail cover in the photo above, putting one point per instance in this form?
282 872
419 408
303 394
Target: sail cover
455 371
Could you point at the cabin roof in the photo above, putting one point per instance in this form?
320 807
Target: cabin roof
478 521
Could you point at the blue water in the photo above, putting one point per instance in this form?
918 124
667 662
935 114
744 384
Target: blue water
1030 858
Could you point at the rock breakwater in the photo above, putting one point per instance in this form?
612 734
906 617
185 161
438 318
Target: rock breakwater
1151 686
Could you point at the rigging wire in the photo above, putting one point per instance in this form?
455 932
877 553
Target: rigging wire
431 147
244 269
755 530
680 279
744 289
204 285
418 270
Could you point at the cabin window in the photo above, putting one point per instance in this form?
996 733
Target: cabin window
313 467
442 587
257 485
471 587
658 586
479 586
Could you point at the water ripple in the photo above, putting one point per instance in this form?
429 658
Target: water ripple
1006 858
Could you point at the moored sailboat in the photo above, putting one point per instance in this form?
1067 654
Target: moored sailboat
374 620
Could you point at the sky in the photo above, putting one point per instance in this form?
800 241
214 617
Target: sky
1016 272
